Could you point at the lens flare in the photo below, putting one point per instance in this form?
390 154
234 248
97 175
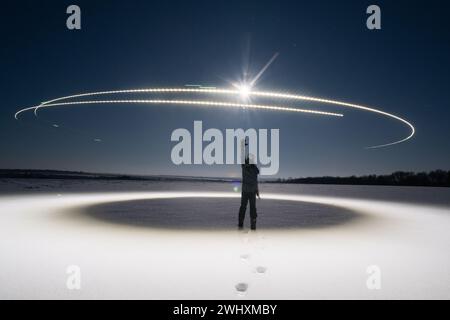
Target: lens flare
244 90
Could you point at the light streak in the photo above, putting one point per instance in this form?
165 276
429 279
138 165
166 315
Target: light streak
252 83
194 102
230 92
343 104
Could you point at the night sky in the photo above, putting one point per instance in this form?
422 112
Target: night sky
324 50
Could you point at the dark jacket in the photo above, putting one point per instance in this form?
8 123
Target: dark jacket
250 178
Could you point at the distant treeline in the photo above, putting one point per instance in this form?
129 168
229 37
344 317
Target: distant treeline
437 178
80 175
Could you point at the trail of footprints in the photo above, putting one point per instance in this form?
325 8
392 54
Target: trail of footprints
254 243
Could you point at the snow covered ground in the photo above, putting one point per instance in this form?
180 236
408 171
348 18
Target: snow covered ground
178 240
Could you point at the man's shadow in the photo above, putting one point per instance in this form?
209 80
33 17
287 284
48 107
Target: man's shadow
219 213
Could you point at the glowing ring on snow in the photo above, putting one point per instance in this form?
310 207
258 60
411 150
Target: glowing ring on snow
266 94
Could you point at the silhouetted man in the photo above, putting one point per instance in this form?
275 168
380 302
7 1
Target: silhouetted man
249 192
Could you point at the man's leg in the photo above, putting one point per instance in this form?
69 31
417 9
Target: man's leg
244 200
253 214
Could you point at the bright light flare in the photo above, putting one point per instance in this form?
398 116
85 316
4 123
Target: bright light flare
244 90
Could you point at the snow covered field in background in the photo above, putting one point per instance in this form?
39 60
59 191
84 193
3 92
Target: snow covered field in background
178 240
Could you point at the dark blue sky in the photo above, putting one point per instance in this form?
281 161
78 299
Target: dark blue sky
325 50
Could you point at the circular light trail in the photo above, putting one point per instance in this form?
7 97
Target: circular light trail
62 101
190 102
